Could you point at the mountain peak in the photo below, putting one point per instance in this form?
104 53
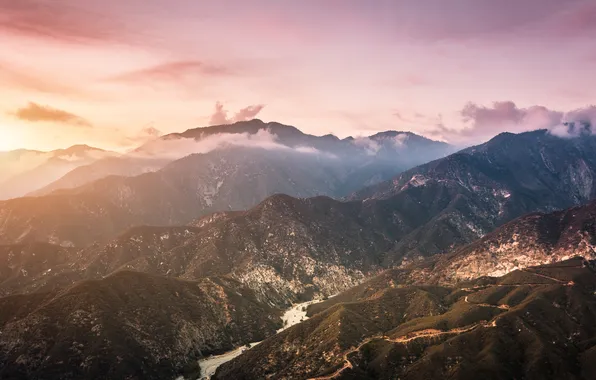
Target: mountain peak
391 133
80 148
249 126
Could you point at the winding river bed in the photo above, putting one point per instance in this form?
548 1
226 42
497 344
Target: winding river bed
291 317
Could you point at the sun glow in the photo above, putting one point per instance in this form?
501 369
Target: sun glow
11 137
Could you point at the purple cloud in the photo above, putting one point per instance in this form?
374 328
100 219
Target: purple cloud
576 21
220 116
64 21
481 122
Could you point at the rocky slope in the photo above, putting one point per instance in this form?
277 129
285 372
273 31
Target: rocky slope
532 324
285 249
128 326
33 267
527 241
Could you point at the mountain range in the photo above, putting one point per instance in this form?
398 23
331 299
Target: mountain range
194 243
371 159
201 183
286 248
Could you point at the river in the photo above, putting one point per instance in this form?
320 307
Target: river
291 317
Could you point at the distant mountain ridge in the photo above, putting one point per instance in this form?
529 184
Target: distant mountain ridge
25 171
410 150
260 164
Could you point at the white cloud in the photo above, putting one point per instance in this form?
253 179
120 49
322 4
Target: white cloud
176 148
399 140
576 123
370 146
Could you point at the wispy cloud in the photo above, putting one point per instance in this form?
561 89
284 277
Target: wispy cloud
486 21
575 21
29 80
133 139
63 21
178 71
372 146
175 148
34 112
220 116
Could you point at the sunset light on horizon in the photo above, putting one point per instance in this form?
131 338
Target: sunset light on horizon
98 73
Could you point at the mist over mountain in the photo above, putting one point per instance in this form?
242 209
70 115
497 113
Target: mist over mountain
16 161
24 171
374 158
232 171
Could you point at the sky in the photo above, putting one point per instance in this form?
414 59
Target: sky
116 73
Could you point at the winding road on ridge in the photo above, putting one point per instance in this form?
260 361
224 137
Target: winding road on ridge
431 333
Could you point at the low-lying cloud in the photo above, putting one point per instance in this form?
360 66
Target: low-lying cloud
84 156
576 123
176 148
483 122
34 112
373 146
220 116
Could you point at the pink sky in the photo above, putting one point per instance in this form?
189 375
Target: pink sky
102 73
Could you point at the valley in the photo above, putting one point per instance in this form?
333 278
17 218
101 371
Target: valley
291 317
